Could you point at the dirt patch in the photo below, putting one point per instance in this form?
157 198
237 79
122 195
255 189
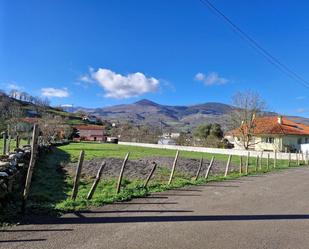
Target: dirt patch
139 169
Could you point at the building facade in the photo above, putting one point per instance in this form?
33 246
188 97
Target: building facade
273 134
91 133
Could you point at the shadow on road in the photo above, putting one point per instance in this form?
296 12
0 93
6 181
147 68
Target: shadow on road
21 240
181 218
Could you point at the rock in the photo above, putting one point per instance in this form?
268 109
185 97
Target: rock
13 163
3 174
21 165
12 156
4 164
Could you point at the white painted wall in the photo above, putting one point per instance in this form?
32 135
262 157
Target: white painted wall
304 148
280 155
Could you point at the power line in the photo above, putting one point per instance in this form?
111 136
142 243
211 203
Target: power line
256 46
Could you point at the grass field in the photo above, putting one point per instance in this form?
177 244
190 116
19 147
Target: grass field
13 143
51 187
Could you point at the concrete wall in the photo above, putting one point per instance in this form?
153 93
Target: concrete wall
305 148
280 155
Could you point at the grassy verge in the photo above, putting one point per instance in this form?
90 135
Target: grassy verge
51 187
13 143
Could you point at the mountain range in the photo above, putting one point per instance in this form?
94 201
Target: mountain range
148 112
178 118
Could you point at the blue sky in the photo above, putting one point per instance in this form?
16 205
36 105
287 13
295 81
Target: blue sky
100 53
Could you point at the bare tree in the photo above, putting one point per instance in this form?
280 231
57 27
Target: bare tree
248 105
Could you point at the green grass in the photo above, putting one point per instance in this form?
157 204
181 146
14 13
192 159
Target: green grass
98 150
51 187
13 143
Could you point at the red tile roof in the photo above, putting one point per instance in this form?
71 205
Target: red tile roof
29 120
271 126
89 127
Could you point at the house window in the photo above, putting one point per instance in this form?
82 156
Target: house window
299 140
269 140
306 140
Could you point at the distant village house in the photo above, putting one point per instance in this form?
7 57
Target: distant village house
275 133
91 119
90 133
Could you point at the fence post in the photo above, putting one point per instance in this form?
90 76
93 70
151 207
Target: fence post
34 147
199 169
302 157
227 165
247 163
17 142
121 172
173 168
150 174
4 143
298 159
289 163
8 145
77 175
275 159
261 161
240 165
96 181
267 161
306 157
256 163
209 167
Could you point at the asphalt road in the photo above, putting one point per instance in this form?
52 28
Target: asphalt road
268 211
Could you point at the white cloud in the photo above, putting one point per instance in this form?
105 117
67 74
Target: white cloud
55 92
302 110
123 86
14 86
67 105
212 78
86 79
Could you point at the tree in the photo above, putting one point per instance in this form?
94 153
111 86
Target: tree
202 131
248 105
205 130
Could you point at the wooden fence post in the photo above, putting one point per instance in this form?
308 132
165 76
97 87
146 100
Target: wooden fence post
173 168
298 159
275 159
209 167
199 169
150 174
96 181
34 147
267 162
306 157
121 172
247 163
17 141
4 143
261 161
8 145
77 175
289 162
302 157
240 165
256 163
227 165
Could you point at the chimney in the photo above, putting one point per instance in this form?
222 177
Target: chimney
280 119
